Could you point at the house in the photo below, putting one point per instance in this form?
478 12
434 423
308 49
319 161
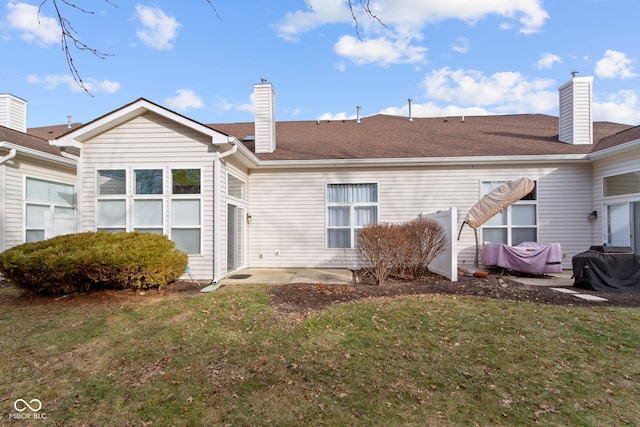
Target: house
294 194
37 181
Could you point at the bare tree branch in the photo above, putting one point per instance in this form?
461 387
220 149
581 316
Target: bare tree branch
70 36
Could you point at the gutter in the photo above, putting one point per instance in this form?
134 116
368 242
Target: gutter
613 150
11 155
424 161
36 153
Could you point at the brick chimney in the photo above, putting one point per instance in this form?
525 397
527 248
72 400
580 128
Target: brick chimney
265 120
576 124
13 112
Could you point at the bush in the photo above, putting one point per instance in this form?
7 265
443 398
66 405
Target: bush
407 248
423 240
88 261
379 249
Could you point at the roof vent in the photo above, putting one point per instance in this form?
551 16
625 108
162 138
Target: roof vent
358 114
410 116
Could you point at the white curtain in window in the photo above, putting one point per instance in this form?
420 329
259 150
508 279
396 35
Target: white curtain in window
366 215
523 214
353 193
185 212
339 216
111 213
147 212
339 238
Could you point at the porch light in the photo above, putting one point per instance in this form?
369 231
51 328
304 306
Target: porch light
249 218
593 215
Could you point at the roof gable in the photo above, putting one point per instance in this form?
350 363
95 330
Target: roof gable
76 137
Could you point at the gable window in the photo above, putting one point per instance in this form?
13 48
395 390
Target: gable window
45 198
139 200
517 223
349 208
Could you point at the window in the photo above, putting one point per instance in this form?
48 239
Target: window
618 185
42 198
516 224
151 207
236 187
349 208
185 181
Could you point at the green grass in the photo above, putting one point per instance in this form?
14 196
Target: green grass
227 358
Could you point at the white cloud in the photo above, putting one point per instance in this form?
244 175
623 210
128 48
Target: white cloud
621 107
34 28
383 51
614 64
301 21
504 92
52 81
337 116
223 105
185 100
548 60
396 14
158 30
431 109
462 45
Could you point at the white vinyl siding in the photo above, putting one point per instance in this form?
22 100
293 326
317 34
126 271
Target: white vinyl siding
564 200
151 142
614 203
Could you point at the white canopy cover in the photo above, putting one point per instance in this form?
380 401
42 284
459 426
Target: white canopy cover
498 199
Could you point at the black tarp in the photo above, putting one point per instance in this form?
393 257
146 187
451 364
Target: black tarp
607 269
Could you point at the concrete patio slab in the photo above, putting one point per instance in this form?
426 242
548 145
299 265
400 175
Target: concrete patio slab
332 276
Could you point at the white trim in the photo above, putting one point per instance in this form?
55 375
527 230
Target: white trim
37 153
614 150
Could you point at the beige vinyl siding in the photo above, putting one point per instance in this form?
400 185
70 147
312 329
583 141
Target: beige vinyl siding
614 164
15 173
148 142
288 207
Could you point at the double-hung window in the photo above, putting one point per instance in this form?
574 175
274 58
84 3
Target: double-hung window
517 223
42 198
349 208
163 201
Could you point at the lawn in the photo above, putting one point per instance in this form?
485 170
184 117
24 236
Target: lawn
229 358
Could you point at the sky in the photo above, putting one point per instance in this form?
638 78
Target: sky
201 59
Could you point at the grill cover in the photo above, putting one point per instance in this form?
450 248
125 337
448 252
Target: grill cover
607 269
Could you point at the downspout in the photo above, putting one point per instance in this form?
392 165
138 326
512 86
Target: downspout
3 183
217 276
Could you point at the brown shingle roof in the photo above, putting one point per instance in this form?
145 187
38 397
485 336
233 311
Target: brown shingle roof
27 141
384 136
52 132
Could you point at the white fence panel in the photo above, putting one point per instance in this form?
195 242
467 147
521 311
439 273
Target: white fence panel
58 225
446 264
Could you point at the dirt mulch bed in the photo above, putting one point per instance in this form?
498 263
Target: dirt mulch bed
311 297
304 297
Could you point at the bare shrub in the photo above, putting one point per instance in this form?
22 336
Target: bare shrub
423 240
379 250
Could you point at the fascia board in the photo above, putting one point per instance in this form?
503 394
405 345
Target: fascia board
38 154
90 130
422 161
614 150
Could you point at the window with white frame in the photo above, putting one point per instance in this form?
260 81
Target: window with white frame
517 223
236 187
349 208
148 205
44 197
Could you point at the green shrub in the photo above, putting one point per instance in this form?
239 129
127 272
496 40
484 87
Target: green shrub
88 261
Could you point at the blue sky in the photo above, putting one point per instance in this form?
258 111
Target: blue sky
454 57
